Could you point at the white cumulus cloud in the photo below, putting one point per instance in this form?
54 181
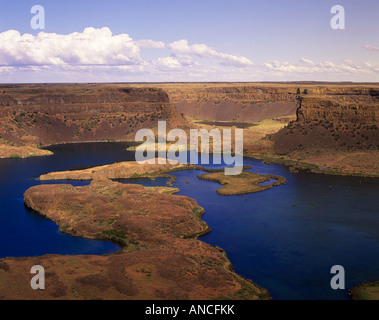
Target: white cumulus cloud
203 51
99 55
307 62
147 43
99 47
90 47
169 63
309 67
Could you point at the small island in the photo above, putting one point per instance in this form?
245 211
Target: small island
245 182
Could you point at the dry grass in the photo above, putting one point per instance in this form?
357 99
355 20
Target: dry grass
366 291
245 182
161 256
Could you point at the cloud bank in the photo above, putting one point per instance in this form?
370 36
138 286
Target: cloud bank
97 55
91 47
95 47
306 66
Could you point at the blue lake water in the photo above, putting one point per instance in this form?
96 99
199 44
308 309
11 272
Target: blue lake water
286 238
24 233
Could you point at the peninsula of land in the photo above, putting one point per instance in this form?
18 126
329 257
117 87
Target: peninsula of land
160 256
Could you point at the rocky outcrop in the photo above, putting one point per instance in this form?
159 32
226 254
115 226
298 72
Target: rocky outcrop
233 102
344 111
257 101
326 123
336 129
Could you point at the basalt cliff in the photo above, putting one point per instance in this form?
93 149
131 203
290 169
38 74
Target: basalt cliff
34 115
346 120
334 129
331 126
234 102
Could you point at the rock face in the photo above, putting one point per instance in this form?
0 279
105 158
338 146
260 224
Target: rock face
333 119
161 256
350 123
257 101
226 102
49 114
362 112
336 129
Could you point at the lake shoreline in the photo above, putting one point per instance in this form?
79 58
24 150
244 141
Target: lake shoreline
135 243
294 165
248 208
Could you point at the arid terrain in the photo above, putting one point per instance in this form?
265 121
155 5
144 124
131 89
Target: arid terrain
245 182
37 115
160 256
366 291
330 127
121 170
327 128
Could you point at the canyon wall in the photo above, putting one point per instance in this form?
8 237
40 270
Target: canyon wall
241 103
48 114
328 115
341 119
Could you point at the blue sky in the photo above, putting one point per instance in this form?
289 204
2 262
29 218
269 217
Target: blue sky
189 40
